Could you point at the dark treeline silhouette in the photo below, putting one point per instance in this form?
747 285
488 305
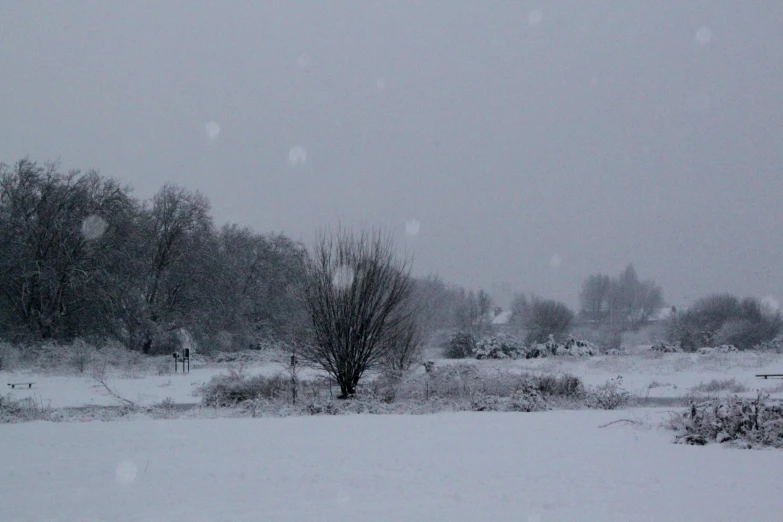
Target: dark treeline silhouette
81 257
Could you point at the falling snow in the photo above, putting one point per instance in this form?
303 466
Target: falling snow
412 228
212 129
771 303
297 156
343 277
93 227
703 35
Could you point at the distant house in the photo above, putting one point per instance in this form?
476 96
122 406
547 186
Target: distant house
501 318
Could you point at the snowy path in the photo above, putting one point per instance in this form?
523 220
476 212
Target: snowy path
542 467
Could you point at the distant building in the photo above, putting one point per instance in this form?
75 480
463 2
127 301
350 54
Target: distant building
501 318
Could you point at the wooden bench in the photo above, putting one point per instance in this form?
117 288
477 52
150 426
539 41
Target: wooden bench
15 384
772 375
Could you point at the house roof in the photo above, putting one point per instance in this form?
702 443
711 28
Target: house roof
502 318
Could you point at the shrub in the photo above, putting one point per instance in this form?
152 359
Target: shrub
610 395
716 386
774 345
724 348
572 347
461 345
81 355
567 386
741 422
227 391
547 318
26 409
501 346
724 319
663 347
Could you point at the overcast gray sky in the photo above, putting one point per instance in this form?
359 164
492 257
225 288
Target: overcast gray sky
534 143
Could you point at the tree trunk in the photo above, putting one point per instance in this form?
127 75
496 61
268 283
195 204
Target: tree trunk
347 389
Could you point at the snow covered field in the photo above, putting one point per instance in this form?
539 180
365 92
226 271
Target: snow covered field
542 467
644 374
548 466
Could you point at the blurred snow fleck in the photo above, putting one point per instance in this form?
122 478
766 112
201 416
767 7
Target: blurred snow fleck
770 304
703 35
303 61
342 498
535 517
534 17
212 129
126 472
343 277
297 156
555 261
380 84
93 227
412 228
594 81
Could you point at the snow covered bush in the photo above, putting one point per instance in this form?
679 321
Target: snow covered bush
725 319
500 346
663 347
572 347
227 391
565 385
617 351
716 386
724 348
775 345
578 348
526 398
26 409
741 422
81 355
610 395
461 345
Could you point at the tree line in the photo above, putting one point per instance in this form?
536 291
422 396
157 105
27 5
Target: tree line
80 256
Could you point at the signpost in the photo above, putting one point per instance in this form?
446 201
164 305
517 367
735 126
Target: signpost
184 357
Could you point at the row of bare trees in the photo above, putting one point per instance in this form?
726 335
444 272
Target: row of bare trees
623 303
81 257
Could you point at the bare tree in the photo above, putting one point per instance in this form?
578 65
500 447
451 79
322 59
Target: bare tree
473 314
176 266
355 292
595 298
58 237
623 303
547 317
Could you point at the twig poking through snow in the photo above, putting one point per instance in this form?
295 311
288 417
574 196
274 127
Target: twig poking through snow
102 380
636 422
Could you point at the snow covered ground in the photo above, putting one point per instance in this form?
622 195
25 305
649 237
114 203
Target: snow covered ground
644 374
534 467
538 467
61 391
